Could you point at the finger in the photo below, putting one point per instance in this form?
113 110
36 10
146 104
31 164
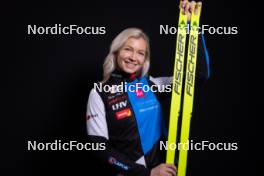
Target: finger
170 171
193 4
165 170
166 174
186 8
199 4
172 166
183 4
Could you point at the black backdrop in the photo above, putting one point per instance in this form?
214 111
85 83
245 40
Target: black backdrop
50 76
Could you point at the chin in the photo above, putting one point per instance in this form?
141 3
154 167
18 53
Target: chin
129 71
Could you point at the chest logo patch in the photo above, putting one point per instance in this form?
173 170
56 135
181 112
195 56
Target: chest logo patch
119 105
139 93
123 114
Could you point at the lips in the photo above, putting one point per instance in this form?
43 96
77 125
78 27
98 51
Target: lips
130 65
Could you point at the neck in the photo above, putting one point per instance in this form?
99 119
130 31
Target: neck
120 74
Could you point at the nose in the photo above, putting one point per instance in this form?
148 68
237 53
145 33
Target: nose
133 57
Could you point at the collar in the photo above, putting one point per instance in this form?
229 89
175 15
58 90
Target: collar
121 75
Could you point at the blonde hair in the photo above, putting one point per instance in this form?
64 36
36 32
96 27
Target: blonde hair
110 63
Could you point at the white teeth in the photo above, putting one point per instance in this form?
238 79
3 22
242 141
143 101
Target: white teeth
130 63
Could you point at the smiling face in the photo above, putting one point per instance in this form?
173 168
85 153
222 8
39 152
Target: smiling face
131 56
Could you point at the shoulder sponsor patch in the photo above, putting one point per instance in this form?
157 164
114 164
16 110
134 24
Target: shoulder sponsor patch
91 116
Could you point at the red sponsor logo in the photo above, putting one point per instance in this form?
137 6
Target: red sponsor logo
91 116
123 114
140 93
117 99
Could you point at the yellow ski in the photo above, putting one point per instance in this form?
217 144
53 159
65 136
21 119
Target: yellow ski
176 86
189 90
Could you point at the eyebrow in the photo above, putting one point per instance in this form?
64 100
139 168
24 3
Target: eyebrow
143 51
133 48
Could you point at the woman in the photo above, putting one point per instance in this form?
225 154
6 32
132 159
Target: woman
130 123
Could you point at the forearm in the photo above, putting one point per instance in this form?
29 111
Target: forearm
119 162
